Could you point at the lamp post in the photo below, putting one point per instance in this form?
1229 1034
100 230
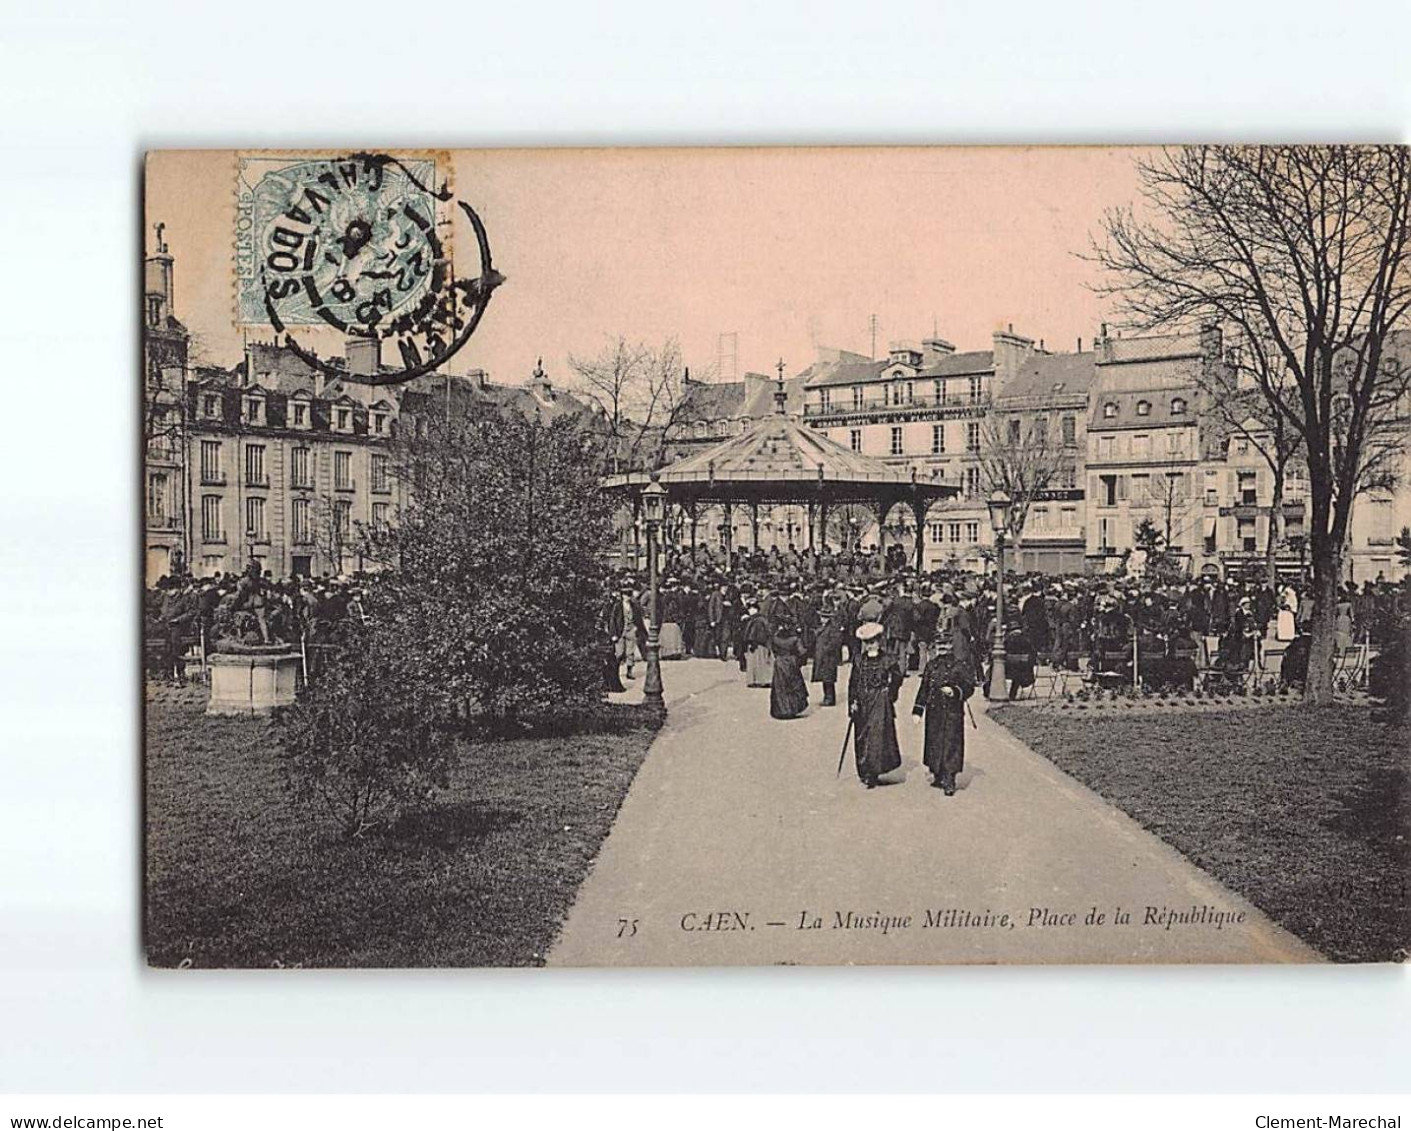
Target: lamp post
653 512
999 522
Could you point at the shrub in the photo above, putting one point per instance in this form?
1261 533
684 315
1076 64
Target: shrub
371 737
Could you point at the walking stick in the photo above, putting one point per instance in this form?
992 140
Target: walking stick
842 754
969 710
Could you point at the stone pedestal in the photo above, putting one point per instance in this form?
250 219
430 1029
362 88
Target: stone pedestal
253 683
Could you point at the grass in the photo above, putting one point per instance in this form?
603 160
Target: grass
485 877
1305 812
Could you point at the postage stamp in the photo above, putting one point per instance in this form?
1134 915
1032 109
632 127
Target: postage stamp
362 244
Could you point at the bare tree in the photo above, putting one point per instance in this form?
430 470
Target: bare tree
1021 454
642 392
848 522
1303 251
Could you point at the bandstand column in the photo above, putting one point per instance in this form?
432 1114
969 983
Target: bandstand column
919 507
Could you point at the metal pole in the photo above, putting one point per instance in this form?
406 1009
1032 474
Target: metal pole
651 688
997 677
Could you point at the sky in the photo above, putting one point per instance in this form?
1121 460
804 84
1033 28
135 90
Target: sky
789 249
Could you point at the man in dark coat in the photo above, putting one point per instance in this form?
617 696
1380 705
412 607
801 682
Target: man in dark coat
872 692
945 685
828 653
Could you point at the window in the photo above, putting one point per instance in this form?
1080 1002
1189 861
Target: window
1248 541
1242 446
210 462
1176 441
955 533
255 519
1141 446
939 389
255 466
342 471
938 532
1212 489
1107 492
1249 488
1379 528
1104 534
972 532
938 439
1068 477
1038 520
1178 406
342 517
254 410
1295 485
299 470
1141 488
379 515
972 481
1041 430
1177 486
857 399
1070 430
896 440
379 473
855 439
972 436
210 406
303 528
1069 518
301 414
1109 410
210 519
975 390
1104 447
157 489
379 424
823 400
1015 430
1143 408
345 420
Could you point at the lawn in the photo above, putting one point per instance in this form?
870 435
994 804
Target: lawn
1305 812
235 877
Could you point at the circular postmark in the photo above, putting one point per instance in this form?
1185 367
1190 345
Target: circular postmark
362 245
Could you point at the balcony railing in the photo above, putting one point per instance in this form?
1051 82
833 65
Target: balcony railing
163 522
213 479
880 405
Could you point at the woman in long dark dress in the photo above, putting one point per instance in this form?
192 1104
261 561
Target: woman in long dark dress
788 695
872 691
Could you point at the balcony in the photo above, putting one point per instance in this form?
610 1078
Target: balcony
346 485
163 522
257 481
873 406
213 479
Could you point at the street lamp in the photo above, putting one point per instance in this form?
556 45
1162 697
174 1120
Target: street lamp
653 514
999 505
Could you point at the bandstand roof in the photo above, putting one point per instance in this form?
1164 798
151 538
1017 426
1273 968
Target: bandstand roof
780 460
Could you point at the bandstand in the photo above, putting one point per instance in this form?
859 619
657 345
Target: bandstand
781 462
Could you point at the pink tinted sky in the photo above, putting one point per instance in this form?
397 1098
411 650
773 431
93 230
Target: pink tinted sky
789 248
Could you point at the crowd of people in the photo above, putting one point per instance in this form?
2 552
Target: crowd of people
225 611
776 613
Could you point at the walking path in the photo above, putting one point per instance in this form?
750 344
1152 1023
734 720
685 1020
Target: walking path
737 845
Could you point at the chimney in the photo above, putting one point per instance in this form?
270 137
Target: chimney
933 349
364 356
1011 351
157 282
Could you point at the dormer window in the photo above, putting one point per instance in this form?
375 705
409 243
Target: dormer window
379 423
300 414
1109 410
345 420
1143 408
1178 406
254 410
210 406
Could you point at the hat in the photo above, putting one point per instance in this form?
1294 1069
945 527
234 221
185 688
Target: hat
869 631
